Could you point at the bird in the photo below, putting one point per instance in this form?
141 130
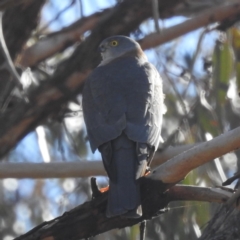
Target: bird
122 104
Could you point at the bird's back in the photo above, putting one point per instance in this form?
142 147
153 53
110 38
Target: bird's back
124 95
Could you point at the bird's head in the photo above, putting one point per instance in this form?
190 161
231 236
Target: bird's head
117 46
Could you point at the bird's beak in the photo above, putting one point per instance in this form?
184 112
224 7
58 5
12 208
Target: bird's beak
101 48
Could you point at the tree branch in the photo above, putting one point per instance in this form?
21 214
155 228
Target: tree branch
89 218
193 193
59 41
155 194
216 14
73 169
178 167
16 30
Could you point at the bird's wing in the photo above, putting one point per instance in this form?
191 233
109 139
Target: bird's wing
103 106
145 106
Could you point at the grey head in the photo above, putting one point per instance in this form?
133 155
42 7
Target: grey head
116 46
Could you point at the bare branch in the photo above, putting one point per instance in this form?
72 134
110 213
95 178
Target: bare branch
178 167
52 170
194 193
212 15
89 219
9 63
72 169
57 16
156 15
58 41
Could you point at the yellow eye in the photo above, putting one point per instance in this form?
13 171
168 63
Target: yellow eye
114 43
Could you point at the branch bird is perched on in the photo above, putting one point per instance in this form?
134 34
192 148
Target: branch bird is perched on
122 107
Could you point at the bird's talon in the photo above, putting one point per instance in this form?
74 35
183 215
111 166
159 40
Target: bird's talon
147 172
105 189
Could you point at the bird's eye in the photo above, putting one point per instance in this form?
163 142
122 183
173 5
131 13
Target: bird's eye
114 43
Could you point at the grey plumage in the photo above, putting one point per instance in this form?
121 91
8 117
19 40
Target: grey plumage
122 106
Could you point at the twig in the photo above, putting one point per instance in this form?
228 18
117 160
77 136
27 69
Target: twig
81 8
168 142
70 137
9 64
57 16
155 10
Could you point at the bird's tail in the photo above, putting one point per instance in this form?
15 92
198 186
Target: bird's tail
124 192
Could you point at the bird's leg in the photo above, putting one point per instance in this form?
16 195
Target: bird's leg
105 189
96 192
148 171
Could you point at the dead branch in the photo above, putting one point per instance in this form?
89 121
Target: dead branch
89 218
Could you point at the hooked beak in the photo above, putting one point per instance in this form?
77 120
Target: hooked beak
101 48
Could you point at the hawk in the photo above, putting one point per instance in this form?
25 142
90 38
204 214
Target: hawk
122 108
